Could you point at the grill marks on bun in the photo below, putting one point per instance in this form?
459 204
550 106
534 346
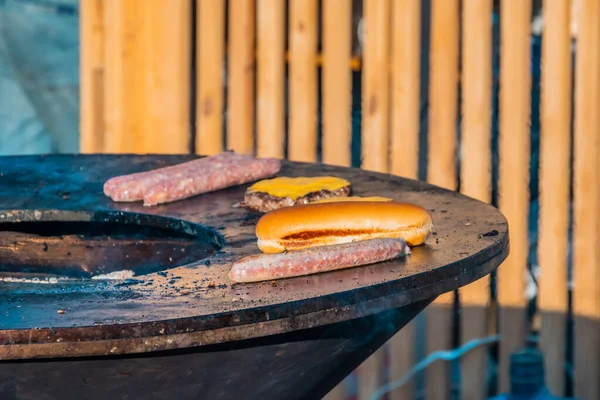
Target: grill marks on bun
307 235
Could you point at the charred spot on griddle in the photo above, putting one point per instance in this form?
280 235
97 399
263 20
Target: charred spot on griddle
128 282
251 218
493 232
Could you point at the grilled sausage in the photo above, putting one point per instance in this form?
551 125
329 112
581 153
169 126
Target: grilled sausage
314 260
188 179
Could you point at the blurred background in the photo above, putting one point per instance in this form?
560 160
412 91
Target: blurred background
448 91
39 76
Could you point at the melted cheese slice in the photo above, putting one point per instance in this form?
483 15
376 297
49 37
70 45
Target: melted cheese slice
352 198
297 187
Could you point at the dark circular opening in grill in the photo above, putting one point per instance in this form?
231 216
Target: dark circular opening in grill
56 245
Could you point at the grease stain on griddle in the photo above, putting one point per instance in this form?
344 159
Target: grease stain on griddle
251 218
491 233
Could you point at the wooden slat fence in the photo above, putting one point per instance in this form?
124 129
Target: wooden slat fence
475 176
555 188
282 78
514 150
210 76
586 261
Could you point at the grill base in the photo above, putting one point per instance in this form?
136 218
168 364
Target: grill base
304 364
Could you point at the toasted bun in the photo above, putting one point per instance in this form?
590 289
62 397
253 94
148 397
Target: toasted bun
320 224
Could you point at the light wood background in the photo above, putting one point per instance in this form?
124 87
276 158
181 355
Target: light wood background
275 78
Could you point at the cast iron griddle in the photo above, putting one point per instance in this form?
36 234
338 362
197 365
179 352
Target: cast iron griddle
178 307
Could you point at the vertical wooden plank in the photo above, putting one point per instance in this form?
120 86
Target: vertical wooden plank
476 170
443 93
91 66
375 90
122 62
147 76
441 167
402 352
270 18
575 8
302 141
371 374
555 147
166 42
404 142
337 81
514 147
438 336
211 48
405 84
476 177
337 393
586 257
241 69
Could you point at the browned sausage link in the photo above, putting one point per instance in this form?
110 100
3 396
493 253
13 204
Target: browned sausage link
220 174
131 187
134 187
263 267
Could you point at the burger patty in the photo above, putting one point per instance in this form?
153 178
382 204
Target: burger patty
264 202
